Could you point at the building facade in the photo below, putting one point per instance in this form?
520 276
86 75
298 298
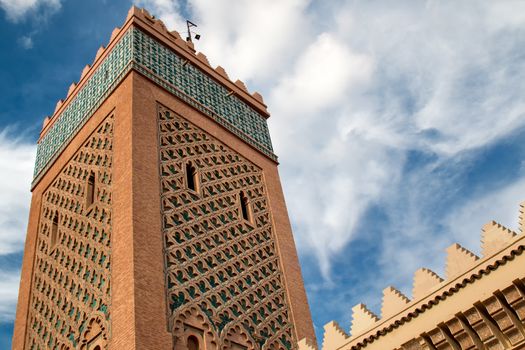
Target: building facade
480 304
157 218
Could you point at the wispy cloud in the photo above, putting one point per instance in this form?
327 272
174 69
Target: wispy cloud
500 205
38 10
9 282
26 42
170 10
256 39
17 10
16 163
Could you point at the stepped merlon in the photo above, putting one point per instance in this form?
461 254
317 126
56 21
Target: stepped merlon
393 302
425 280
494 237
334 336
362 319
458 260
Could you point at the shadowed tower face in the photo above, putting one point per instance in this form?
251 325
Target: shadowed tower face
157 219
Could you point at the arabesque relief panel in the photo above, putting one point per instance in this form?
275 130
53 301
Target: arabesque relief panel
225 285
70 295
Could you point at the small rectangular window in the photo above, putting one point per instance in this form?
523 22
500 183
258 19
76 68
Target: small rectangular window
192 177
54 232
90 190
246 211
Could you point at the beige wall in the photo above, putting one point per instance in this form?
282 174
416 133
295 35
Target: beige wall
480 303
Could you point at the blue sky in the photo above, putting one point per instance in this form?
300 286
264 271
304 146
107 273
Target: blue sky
399 127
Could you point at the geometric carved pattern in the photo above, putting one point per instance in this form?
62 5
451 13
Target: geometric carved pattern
220 268
70 291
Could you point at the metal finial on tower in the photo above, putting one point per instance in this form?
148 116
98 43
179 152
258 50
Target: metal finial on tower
190 24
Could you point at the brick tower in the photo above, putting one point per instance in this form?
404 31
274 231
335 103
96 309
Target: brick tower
157 219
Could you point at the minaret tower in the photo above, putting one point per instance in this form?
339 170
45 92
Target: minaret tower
157 218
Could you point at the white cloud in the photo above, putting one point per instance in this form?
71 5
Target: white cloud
17 159
324 156
16 166
251 39
448 63
320 78
257 39
16 10
9 282
168 10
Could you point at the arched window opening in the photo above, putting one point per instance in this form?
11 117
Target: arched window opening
245 208
192 177
97 347
192 343
54 230
90 191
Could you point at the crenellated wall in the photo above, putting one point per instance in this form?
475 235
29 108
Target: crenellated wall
479 304
145 45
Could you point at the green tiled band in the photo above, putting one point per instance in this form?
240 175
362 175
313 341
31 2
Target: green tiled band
101 83
137 50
